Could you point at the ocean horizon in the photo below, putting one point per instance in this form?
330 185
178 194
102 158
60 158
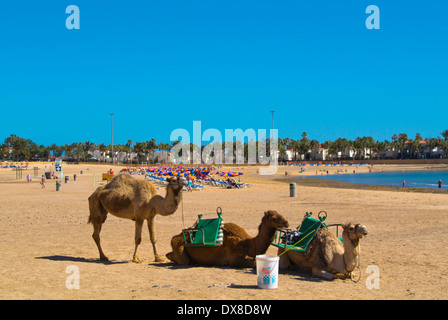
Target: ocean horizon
414 179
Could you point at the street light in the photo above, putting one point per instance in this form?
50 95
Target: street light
272 111
273 137
112 134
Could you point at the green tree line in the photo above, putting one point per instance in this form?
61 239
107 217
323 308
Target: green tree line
19 149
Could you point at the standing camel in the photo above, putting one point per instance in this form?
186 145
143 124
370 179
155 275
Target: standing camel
135 199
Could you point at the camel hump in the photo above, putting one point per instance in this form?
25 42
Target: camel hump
325 242
97 190
120 180
114 200
235 230
127 184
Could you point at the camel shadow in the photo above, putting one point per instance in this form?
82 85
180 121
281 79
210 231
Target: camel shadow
242 286
79 259
302 276
174 266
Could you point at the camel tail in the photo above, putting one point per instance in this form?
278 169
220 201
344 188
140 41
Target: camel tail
97 212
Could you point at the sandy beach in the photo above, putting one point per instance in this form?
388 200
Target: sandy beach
44 233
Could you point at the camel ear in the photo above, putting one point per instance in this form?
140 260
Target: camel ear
347 226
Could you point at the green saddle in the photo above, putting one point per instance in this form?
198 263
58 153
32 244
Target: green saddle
307 229
206 232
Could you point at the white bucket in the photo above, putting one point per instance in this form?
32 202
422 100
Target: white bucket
267 271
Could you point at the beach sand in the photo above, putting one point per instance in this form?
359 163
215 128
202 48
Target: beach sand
44 232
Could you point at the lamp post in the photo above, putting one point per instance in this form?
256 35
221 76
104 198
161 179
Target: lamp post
112 135
273 137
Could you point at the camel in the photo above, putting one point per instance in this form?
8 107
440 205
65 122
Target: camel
135 199
326 256
238 248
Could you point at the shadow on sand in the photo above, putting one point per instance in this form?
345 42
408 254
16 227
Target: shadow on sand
79 259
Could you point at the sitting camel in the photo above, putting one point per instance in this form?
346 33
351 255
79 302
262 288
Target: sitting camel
135 199
326 256
237 245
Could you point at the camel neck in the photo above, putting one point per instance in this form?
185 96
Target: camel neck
170 203
261 243
350 253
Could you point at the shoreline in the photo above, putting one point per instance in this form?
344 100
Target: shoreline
324 183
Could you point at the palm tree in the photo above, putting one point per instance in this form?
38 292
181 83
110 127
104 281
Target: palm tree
331 148
150 147
68 149
444 134
358 146
416 147
340 144
294 145
304 145
78 150
314 144
443 144
379 147
57 150
401 143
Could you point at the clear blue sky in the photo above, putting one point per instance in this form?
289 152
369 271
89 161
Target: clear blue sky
160 65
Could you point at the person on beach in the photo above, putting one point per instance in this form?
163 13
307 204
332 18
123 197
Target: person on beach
189 182
404 183
440 183
42 182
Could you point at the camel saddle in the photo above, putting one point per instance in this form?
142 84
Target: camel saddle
307 231
205 232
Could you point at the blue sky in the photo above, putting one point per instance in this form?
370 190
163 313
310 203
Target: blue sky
160 65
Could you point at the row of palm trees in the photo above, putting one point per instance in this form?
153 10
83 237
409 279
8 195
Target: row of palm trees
403 147
17 148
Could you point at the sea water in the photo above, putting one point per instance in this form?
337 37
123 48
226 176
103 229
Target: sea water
414 179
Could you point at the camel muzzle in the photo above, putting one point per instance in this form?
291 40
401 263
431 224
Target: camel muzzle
183 181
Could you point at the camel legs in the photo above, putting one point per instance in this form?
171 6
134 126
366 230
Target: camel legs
96 238
320 273
138 238
97 217
284 262
241 262
179 255
152 236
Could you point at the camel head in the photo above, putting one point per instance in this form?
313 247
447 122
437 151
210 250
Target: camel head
274 220
354 231
177 183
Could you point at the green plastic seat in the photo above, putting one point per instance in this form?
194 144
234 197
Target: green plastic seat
308 229
207 232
